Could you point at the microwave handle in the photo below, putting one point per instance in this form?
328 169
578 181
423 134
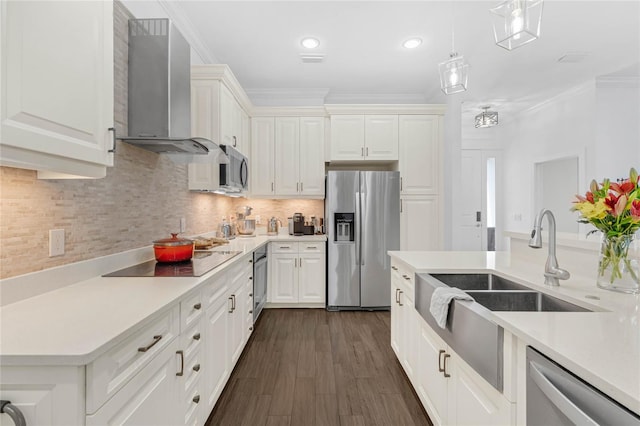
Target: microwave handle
244 173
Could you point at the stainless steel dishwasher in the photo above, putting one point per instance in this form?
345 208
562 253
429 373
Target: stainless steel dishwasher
555 396
259 281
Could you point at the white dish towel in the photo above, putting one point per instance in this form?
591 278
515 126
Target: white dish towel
440 300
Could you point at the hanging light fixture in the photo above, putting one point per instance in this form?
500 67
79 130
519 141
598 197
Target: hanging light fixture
453 72
516 22
486 118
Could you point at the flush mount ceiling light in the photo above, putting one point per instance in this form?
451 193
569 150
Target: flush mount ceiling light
310 43
412 43
453 72
516 22
486 118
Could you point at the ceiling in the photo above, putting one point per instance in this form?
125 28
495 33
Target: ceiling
366 63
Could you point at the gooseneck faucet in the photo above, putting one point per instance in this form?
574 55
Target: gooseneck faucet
552 273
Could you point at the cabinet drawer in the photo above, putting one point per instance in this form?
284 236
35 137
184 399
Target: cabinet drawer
314 247
191 310
215 290
191 369
194 399
112 370
403 274
191 340
284 247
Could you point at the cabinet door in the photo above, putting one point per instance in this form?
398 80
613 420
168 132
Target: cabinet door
396 330
287 164
227 116
381 137
217 350
347 137
284 278
262 156
57 86
151 397
311 278
312 156
420 223
432 385
245 132
237 318
473 401
419 161
408 319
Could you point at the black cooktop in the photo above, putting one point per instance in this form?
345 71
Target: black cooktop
201 263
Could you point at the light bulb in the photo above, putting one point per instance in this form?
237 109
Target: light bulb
517 23
453 77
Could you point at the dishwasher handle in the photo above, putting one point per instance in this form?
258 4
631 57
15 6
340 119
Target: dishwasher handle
14 412
557 398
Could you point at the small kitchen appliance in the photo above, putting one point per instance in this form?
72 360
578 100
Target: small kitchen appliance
298 224
273 226
246 227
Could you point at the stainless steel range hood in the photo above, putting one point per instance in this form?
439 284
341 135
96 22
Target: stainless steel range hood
160 94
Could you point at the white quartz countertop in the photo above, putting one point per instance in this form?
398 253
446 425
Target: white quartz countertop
601 347
74 324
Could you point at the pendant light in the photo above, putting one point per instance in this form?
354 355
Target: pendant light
516 22
453 72
486 118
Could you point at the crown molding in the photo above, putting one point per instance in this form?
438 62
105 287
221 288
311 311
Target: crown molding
223 73
432 109
180 19
290 111
618 82
364 98
288 97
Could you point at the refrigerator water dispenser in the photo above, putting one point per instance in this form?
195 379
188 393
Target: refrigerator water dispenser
344 227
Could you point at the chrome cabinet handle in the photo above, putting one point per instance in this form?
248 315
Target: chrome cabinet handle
271 186
181 372
235 140
233 302
362 152
440 352
231 308
284 247
301 186
196 399
399 299
196 336
197 306
196 368
400 183
156 339
312 247
6 407
367 152
444 363
113 131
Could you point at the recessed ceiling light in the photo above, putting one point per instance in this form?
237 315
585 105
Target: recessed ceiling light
310 42
412 43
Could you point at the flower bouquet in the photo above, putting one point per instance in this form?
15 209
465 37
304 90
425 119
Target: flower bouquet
614 209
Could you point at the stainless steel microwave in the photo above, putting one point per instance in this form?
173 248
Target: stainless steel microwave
234 176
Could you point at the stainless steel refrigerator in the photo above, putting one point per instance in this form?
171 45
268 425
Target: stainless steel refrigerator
362 216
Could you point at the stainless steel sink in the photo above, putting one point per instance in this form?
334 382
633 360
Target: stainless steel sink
478 282
523 301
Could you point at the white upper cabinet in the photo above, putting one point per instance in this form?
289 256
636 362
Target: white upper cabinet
364 137
419 162
312 155
287 166
57 87
262 176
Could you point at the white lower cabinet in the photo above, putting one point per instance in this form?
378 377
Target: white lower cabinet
420 223
403 319
297 274
217 348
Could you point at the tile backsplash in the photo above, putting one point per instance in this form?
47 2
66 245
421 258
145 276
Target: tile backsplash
142 198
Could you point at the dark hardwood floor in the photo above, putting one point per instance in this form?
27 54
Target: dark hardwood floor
305 367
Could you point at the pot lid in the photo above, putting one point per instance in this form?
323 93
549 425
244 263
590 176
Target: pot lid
173 241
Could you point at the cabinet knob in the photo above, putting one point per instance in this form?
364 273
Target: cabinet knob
250 278
250 294
196 399
196 336
197 306
196 367
251 311
250 261
250 328
394 268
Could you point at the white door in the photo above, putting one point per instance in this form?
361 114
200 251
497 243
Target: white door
312 155
468 204
396 325
262 158
287 155
420 223
381 137
227 116
347 137
419 161
311 278
284 278
237 318
409 332
217 359
432 385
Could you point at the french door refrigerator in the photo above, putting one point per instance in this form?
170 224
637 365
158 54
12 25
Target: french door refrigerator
362 215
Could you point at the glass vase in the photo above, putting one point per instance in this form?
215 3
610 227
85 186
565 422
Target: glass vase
618 269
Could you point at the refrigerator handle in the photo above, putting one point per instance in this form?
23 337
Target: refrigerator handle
357 228
362 200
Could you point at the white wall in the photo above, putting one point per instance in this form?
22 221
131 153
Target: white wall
563 126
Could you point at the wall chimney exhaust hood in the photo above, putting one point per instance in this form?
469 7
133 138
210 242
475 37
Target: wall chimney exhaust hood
160 94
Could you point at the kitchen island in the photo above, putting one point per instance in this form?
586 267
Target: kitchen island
602 346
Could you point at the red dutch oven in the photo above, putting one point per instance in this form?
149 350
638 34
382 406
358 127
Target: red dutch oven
173 249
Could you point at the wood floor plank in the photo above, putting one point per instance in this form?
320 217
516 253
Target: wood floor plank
304 408
312 367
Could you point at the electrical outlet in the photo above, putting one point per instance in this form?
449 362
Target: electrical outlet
56 242
183 224
257 219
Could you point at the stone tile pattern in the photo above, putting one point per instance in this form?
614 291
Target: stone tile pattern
142 199
281 209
